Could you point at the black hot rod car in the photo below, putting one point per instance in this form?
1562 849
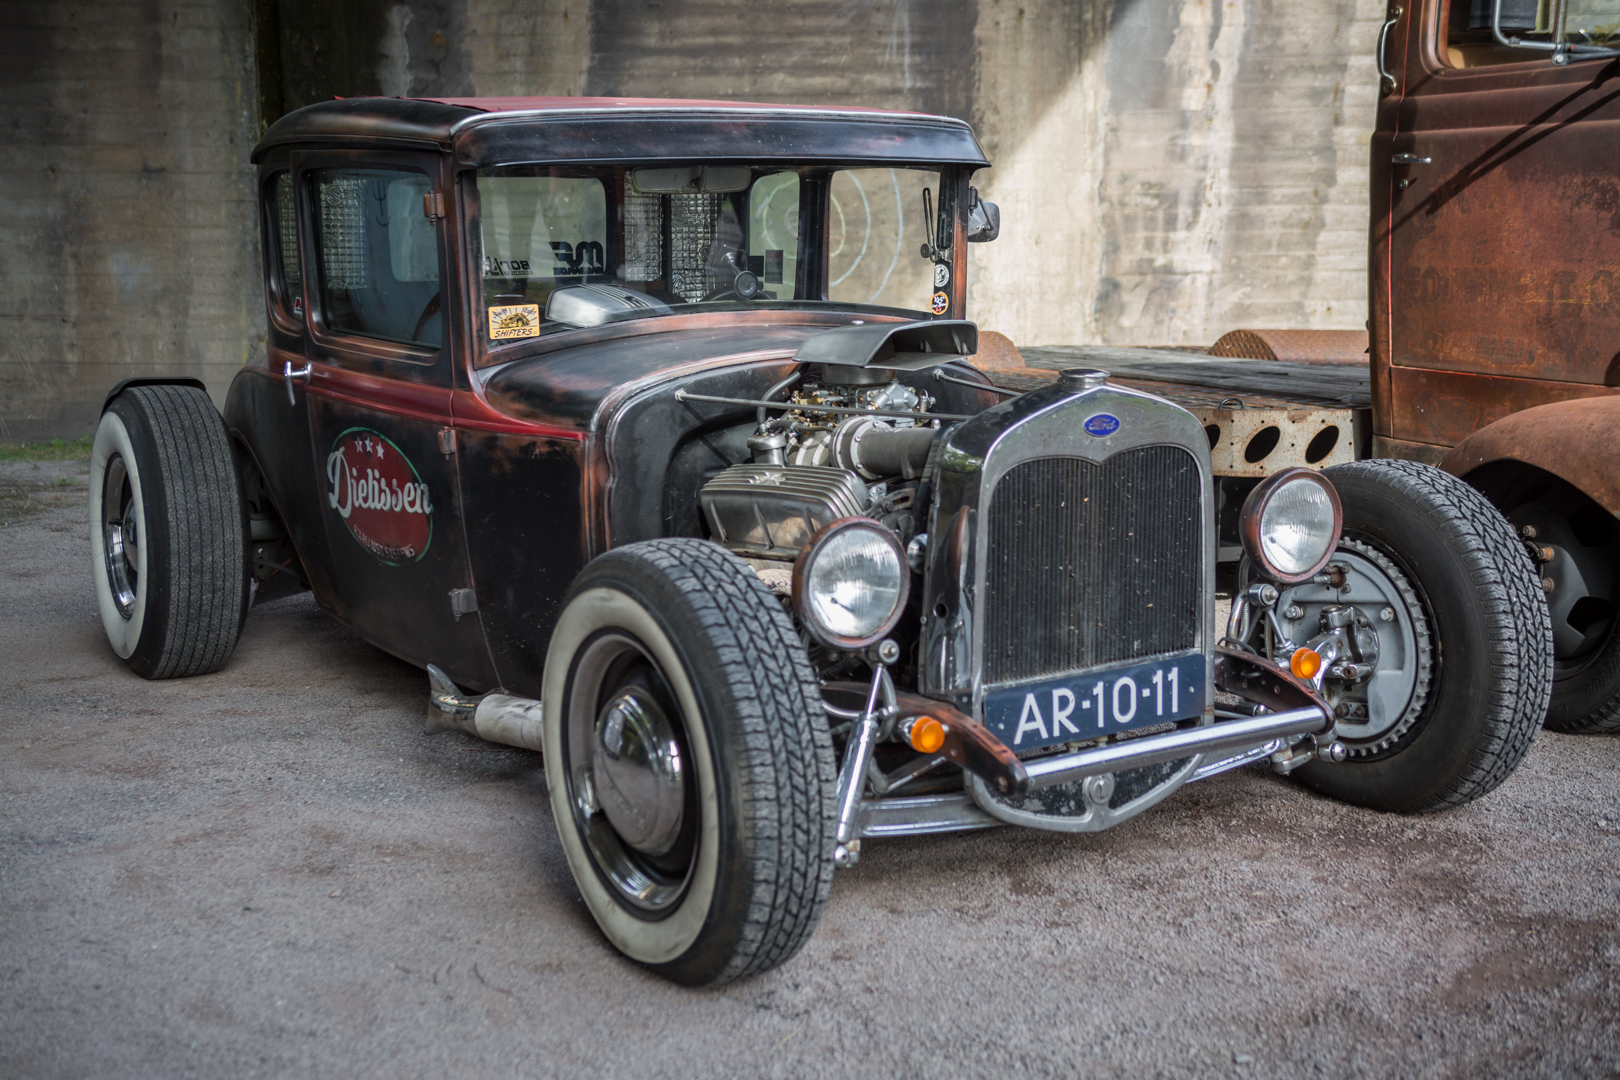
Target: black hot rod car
650 430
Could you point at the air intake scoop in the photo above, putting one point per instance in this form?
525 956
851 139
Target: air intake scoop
911 346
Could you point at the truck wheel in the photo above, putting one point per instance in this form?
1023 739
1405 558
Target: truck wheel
689 762
1584 542
1455 601
167 545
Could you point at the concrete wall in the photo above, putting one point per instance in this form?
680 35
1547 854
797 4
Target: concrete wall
1167 169
127 234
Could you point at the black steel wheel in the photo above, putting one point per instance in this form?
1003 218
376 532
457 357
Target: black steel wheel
1452 605
1580 543
167 532
689 763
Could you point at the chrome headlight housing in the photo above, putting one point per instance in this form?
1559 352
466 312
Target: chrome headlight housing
1290 525
850 583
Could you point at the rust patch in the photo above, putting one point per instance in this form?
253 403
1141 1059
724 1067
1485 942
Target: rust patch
1443 408
1294 346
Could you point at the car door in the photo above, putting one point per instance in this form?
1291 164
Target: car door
1503 221
378 396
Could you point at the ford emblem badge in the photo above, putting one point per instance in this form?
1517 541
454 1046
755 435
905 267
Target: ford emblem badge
1102 425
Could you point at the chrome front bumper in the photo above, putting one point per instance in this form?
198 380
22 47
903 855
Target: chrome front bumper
1175 745
1297 715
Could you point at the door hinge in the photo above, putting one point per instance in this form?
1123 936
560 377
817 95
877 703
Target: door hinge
433 205
447 441
463 602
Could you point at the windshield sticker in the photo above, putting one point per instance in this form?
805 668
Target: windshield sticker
940 304
516 321
505 268
942 275
1102 425
376 491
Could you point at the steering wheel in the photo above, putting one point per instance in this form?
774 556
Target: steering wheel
745 286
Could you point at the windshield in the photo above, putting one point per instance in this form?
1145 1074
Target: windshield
568 248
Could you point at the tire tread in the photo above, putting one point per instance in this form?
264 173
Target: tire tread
1515 610
202 567
788 778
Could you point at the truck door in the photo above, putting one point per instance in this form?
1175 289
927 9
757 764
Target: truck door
378 393
1501 209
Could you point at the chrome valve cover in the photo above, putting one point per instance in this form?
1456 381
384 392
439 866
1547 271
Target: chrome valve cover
771 511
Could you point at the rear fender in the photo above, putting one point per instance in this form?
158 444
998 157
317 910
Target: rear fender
152 380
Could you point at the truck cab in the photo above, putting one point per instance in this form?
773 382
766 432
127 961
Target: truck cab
1494 255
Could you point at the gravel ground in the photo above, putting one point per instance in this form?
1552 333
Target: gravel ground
272 871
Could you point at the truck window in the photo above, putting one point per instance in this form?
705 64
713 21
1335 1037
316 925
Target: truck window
540 233
286 276
565 248
377 255
1470 43
875 231
773 232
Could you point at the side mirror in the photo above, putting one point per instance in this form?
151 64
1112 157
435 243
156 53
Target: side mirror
984 219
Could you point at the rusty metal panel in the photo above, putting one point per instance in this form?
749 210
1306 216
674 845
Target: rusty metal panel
1277 434
1445 407
1259 442
1294 346
998 353
1578 441
1504 254
1385 447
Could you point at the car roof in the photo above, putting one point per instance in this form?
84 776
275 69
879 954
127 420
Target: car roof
519 130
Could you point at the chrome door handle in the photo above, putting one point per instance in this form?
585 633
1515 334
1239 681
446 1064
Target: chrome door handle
289 373
1386 81
1411 159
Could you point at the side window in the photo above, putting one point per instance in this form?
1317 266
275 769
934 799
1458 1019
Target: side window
288 279
1470 42
377 255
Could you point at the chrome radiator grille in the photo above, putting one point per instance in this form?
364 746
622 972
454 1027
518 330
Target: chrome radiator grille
1091 564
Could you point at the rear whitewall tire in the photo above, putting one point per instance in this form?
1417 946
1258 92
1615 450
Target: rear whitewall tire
113 442
164 483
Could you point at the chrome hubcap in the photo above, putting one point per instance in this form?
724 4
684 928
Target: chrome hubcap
637 773
121 539
629 775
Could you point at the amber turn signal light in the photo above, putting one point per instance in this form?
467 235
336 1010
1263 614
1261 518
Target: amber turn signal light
1305 663
927 735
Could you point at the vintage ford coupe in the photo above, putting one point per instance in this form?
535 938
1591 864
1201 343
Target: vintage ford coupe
651 431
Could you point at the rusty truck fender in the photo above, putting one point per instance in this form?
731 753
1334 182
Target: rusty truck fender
1577 441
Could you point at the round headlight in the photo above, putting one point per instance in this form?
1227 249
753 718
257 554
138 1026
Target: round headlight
850 583
1290 525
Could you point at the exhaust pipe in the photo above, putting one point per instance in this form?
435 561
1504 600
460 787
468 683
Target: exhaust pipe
494 717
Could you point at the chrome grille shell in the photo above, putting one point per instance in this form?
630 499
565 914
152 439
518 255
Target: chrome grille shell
976 457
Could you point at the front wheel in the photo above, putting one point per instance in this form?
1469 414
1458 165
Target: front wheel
1449 637
689 762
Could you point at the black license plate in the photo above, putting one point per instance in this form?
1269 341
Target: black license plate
1079 707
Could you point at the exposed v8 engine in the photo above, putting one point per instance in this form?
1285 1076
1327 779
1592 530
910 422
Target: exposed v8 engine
854 443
